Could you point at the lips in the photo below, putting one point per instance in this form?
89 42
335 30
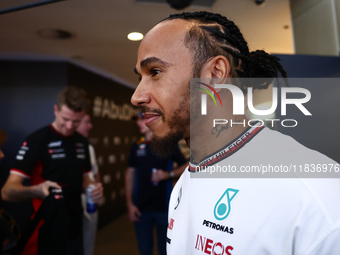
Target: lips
150 117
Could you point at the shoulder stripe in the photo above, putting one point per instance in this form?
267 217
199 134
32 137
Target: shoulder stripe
20 173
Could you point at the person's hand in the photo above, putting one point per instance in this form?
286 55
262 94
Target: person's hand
42 190
134 213
159 175
96 193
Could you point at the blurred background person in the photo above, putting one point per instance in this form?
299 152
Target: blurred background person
89 219
148 184
55 157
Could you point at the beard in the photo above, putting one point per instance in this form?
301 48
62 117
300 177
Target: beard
178 123
165 146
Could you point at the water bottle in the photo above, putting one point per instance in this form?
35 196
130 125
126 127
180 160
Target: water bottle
154 170
91 207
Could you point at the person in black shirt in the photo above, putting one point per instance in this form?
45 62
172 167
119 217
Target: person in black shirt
147 192
55 156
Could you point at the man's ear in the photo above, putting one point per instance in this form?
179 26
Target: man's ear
217 67
56 110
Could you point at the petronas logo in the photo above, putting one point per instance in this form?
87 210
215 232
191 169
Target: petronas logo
222 207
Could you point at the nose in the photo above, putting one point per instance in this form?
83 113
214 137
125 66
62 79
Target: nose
140 96
2 155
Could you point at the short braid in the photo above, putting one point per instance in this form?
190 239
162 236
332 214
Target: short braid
216 35
230 29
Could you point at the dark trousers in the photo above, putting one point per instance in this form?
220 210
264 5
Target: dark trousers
75 247
144 232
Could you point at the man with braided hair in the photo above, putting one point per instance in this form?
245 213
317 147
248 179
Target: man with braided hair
228 215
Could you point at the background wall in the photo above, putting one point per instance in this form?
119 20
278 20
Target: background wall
316 25
321 77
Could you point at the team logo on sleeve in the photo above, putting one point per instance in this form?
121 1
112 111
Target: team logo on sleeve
178 198
22 151
223 206
24 147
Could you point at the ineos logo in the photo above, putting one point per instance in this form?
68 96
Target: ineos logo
208 246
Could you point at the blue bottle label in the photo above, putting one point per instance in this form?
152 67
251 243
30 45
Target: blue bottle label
90 206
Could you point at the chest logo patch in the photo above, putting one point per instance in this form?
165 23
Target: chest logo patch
223 206
55 144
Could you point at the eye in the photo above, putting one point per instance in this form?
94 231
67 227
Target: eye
154 72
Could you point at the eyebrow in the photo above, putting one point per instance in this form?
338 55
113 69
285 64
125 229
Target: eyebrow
151 60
